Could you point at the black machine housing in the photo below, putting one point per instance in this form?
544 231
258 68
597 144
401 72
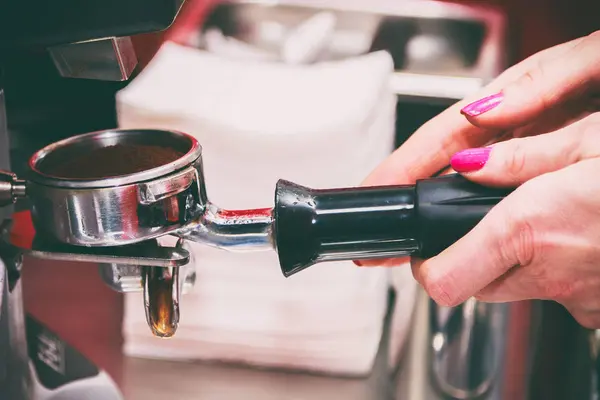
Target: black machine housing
41 23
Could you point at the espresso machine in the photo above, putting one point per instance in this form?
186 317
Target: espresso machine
116 222
44 48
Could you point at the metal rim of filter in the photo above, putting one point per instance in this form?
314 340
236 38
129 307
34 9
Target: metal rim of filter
178 140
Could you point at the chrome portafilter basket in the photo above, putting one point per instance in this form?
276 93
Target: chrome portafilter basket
116 221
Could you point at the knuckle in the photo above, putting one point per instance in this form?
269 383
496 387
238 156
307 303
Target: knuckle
516 159
530 77
518 245
532 81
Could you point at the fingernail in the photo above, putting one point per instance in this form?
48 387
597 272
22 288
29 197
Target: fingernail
470 160
483 105
357 263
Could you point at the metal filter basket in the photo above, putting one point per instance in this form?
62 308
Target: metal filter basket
117 210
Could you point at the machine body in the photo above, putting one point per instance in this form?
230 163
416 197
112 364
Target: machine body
40 44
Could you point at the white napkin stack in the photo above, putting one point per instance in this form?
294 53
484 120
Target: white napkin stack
402 316
324 125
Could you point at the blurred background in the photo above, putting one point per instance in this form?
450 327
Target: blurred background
318 92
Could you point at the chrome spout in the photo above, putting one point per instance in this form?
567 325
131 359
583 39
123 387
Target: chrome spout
243 230
161 300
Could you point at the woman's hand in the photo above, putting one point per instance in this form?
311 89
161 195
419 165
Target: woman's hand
543 240
545 92
540 242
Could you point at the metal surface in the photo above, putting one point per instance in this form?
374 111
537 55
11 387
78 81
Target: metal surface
142 254
25 29
129 278
161 300
123 210
247 230
466 350
15 379
440 50
490 351
111 59
11 188
119 210
595 353
5 209
87 142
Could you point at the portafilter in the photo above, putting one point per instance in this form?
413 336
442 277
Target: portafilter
100 217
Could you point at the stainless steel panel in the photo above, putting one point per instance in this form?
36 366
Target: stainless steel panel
440 50
111 59
5 212
15 378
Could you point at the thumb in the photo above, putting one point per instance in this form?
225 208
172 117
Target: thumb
511 163
551 82
502 240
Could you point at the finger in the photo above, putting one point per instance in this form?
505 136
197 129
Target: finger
555 119
534 230
501 241
549 83
516 161
429 149
510 163
503 289
415 266
383 262
528 283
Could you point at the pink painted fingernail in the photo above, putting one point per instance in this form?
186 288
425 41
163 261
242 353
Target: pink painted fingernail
470 160
483 105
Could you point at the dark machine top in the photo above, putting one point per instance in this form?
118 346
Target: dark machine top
43 23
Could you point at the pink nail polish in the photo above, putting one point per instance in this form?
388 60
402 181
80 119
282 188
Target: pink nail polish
470 160
483 105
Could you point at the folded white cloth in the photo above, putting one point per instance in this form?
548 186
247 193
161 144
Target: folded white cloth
323 125
405 287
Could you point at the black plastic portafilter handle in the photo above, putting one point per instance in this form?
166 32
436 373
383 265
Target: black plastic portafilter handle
313 226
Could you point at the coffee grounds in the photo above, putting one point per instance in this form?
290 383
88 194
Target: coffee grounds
111 161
